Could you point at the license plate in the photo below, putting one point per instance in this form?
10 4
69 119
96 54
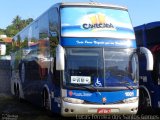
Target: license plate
81 79
103 111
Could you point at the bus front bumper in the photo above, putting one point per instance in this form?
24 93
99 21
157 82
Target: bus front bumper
70 109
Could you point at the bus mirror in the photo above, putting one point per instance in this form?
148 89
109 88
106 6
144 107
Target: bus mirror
2 49
60 58
149 57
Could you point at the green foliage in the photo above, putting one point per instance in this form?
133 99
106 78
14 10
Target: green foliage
11 30
53 44
1 32
17 25
8 49
14 47
24 44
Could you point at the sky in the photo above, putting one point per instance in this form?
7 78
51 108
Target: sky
141 11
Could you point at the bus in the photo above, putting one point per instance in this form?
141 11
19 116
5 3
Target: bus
147 35
79 58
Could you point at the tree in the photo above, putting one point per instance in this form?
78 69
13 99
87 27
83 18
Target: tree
29 20
17 25
8 48
24 44
17 22
2 31
11 31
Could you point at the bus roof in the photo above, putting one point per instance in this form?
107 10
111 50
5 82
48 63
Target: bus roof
148 25
95 4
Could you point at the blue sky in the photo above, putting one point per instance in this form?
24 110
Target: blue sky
141 11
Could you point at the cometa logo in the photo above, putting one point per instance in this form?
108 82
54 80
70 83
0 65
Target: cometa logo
98 21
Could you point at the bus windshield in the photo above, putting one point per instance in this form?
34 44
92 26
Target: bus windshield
121 66
83 63
100 67
85 21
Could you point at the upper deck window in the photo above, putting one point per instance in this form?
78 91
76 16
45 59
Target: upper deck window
95 22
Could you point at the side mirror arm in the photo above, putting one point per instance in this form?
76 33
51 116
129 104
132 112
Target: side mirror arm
149 57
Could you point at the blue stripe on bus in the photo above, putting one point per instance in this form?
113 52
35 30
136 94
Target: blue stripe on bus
96 97
97 42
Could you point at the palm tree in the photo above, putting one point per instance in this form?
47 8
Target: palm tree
29 20
18 22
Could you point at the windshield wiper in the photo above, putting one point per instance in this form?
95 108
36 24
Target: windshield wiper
94 89
128 85
122 76
90 88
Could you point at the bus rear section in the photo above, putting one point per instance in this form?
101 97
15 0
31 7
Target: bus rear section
147 35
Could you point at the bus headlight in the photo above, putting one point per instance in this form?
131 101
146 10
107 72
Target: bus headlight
131 100
73 100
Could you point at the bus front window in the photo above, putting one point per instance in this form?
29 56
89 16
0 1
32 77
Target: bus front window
121 66
83 65
101 67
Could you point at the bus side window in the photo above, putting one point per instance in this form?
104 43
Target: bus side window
54 41
53 30
43 47
56 74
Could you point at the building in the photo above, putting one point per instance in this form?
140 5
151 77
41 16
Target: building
4 49
5 39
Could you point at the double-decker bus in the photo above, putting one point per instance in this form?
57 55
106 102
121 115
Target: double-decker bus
79 58
148 35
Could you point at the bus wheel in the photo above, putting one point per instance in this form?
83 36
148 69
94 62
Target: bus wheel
144 102
15 90
46 100
22 73
17 93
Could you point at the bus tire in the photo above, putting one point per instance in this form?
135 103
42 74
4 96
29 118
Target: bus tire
46 100
18 96
144 102
15 89
17 92
22 72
